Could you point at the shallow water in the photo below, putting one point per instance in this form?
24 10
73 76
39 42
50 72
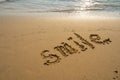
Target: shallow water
95 7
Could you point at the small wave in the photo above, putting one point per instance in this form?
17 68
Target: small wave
93 9
60 6
64 11
74 10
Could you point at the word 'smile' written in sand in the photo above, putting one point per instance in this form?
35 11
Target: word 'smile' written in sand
66 49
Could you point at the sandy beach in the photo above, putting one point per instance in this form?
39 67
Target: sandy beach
23 39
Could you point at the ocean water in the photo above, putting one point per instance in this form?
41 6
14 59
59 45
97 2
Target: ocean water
79 7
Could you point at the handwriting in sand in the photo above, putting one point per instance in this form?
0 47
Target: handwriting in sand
66 49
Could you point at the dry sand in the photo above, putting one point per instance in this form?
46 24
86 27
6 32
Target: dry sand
22 39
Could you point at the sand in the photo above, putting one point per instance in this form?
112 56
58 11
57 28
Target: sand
23 38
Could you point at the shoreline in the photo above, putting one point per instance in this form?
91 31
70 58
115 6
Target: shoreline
79 15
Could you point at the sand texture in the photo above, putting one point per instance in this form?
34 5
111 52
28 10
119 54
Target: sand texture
30 48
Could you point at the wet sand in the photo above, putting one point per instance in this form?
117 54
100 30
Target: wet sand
23 38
